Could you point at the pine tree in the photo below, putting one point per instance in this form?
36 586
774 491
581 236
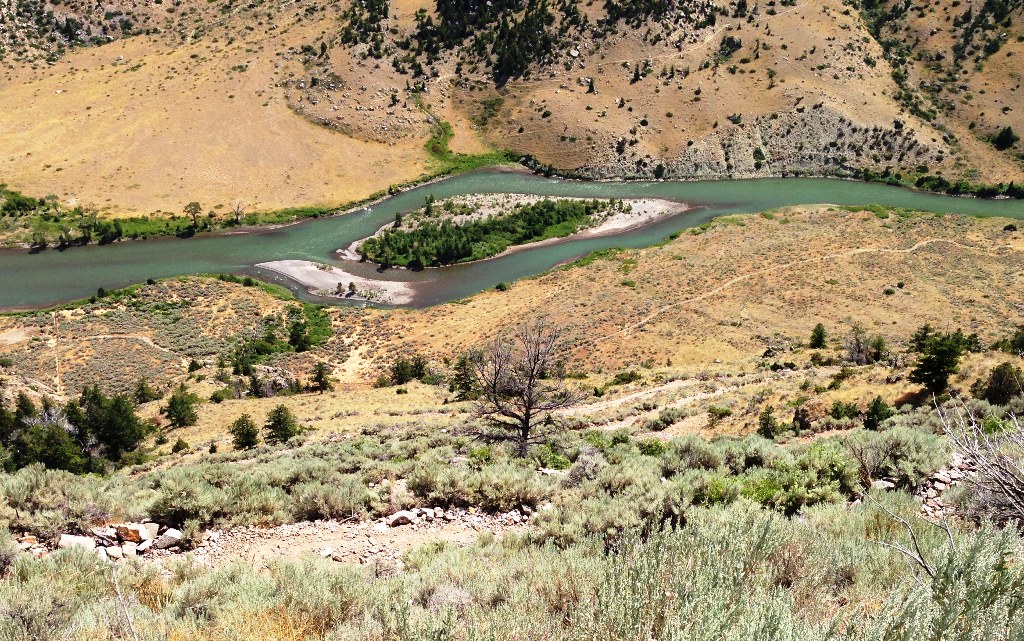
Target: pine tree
321 378
818 337
181 408
878 412
244 433
281 426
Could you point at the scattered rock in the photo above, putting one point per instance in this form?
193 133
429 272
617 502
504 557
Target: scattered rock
403 517
134 532
69 540
168 539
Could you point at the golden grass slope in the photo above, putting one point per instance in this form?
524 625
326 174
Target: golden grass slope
747 283
145 124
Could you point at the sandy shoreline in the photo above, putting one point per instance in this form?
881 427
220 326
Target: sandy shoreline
323 280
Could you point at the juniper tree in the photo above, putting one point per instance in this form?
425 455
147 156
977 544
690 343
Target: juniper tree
321 381
244 433
181 408
878 412
281 426
818 337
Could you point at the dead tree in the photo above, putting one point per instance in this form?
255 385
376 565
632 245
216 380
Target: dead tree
997 452
520 384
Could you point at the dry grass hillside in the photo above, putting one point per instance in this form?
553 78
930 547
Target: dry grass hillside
150 123
302 104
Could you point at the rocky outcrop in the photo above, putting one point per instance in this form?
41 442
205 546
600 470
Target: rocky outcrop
811 141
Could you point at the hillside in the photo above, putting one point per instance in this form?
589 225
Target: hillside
301 104
694 306
220 482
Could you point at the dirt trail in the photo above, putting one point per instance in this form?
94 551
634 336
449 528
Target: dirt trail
777 268
347 542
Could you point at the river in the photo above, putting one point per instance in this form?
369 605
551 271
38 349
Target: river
50 277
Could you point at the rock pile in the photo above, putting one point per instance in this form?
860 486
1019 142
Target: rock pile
931 490
112 542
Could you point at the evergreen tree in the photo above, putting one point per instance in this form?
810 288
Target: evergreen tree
181 408
939 360
321 378
767 426
281 426
111 421
1005 382
818 337
878 412
144 393
1005 139
463 382
244 433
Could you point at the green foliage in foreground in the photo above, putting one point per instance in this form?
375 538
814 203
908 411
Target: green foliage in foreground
728 574
432 244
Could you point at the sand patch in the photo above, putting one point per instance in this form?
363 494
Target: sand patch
323 280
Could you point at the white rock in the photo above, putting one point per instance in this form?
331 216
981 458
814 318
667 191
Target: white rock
101 553
327 552
145 545
114 552
69 540
129 549
402 517
169 538
882 484
153 529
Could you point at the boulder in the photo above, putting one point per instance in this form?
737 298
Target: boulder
882 484
114 552
145 545
168 539
153 529
101 553
129 549
133 532
70 540
403 517
104 534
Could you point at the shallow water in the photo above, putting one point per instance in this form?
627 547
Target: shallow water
49 277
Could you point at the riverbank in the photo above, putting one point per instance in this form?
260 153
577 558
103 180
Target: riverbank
324 280
50 277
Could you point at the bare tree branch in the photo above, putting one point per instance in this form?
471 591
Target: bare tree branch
519 382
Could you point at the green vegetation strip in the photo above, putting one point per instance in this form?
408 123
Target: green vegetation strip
432 244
